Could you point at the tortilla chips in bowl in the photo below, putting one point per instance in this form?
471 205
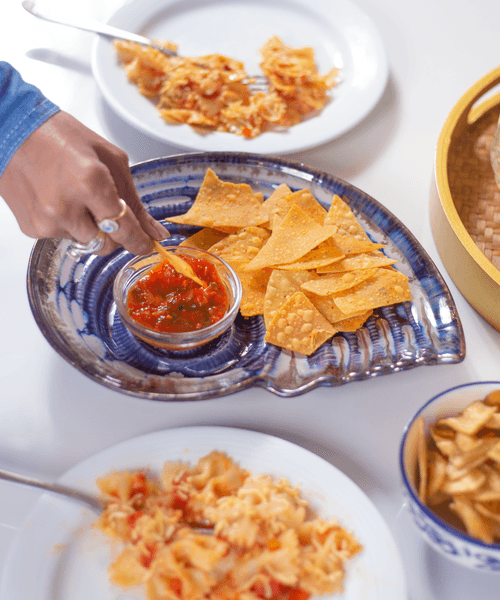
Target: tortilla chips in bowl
450 467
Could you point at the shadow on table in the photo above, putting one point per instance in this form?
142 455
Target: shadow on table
138 146
432 576
60 60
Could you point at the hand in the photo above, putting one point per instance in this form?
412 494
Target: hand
65 178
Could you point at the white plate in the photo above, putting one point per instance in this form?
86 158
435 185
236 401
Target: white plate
55 556
341 34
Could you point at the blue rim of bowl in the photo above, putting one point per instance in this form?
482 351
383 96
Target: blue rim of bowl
427 511
186 337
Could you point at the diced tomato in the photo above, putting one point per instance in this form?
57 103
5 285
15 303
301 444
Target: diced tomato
273 544
176 585
147 559
280 592
276 589
179 502
139 485
298 594
131 519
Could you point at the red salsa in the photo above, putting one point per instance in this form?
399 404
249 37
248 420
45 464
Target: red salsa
168 301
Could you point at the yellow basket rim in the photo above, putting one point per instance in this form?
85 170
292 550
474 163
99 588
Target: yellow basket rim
465 112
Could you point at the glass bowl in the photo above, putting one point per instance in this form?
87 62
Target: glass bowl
449 541
136 268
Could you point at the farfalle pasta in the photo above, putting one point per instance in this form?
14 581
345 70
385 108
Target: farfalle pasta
213 531
212 92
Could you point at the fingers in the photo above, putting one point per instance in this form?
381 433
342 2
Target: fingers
100 196
64 179
117 162
153 227
129 232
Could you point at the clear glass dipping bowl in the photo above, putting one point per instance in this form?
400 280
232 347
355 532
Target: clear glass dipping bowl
136 268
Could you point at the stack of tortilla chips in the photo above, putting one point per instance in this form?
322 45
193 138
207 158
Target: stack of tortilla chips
310 272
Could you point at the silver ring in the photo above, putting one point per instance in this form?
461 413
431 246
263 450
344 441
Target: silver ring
76 249
110 225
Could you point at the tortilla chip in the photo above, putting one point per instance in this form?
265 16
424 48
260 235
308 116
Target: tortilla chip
203 239
470 482
486 511
298 326
227 230
292 239
475 524
436 473
273 204
279 203
444 444
349 246
382 289
352 323
492 489
178 263
254 286
493 398
472 418
241 246
357 262
325 254
475 456
327 307
421 459
223 204
340 215
466 443
338 282
282 285
494 453
494 422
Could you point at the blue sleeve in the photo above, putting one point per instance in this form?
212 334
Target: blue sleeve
23 108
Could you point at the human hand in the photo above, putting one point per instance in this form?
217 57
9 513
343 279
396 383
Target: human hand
65 178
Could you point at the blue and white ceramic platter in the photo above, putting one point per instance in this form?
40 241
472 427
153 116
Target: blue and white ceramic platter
72 301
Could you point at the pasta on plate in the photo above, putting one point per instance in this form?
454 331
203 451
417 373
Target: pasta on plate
263 538
212 92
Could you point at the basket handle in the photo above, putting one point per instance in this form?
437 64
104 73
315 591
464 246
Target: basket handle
469 110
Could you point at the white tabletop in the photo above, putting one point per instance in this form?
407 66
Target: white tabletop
52 416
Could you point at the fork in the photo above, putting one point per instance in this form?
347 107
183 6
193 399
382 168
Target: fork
255 82
93 502
95 27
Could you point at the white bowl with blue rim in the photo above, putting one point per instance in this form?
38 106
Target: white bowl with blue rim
445 539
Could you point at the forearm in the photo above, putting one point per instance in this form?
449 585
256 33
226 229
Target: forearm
23 108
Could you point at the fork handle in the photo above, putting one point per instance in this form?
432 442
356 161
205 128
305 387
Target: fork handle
91 25
92 502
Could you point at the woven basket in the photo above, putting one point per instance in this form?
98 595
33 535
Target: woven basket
467 228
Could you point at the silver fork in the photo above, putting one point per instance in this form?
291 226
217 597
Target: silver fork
94 27
91 501
255 82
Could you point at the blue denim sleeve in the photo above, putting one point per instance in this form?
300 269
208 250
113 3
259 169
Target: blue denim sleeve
23 108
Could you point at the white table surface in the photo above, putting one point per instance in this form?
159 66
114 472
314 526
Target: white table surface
52 417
